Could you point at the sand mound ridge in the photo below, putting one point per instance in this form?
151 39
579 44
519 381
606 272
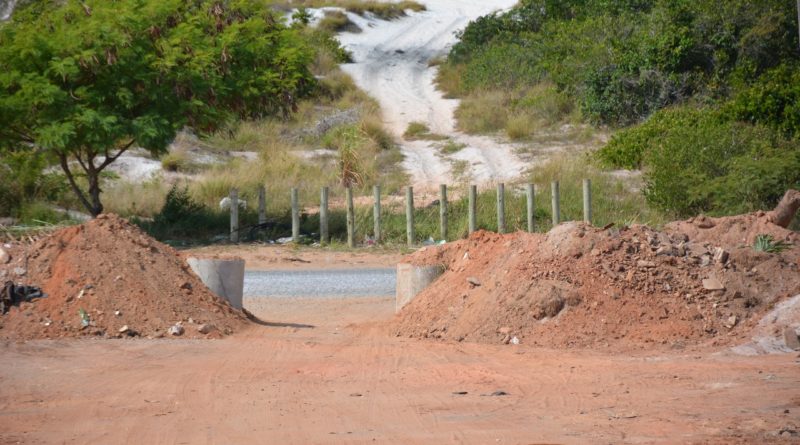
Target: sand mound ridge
698 281
118 276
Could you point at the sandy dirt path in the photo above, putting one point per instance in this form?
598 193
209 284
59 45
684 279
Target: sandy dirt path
309 376
391 64
278 257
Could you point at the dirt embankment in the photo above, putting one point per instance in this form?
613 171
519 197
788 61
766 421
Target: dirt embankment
105 276
698 281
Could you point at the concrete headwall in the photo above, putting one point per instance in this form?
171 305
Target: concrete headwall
411 280
224 276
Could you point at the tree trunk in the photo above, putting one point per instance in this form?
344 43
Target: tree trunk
786 209
92 202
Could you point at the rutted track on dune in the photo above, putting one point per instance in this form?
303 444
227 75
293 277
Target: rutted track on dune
391 64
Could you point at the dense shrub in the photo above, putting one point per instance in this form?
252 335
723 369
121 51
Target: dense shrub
708 164
623 60
773 100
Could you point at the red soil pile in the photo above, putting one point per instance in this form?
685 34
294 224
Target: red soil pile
699 281
118 276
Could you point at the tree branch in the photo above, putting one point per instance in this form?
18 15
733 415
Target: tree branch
110 159
62 157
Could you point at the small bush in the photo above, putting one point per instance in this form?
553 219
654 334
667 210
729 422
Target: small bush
766 243
337 21
452 146
420 131
183 218
373 128
178 161
627 148
415 130
518 127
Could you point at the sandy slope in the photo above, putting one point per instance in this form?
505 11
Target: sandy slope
391 64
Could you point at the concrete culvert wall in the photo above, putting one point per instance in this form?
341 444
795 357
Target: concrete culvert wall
412 279
224 276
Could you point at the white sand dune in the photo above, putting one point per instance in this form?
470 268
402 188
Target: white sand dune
391 64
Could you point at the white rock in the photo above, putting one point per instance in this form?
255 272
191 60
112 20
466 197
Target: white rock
206 328
175 330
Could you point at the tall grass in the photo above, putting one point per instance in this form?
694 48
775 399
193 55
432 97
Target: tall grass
520 113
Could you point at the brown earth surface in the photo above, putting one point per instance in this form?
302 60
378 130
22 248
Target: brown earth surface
276 257
697 282
311 376
119 277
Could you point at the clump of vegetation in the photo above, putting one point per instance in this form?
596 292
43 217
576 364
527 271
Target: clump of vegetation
767 243
337 21
178 161
700 160
417 131
452 146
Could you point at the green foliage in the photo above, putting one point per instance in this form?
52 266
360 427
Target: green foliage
699 162
24 180
183 218
766 243
626 148
620 61
87 80
773 100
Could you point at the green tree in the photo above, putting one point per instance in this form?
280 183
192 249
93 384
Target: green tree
87 80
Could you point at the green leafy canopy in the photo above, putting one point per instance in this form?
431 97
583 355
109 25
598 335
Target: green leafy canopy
85 81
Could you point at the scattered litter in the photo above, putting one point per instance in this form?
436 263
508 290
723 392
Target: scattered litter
515 341
14 294
495 394
84 318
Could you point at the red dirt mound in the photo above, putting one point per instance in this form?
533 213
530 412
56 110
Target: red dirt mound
117 276
582 286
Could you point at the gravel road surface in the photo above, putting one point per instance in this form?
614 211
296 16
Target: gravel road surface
320 283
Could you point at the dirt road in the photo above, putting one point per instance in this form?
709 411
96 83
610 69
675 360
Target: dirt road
391 64
309 376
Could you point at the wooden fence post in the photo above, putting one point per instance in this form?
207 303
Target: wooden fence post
295 216
234 202
531 208
587 201
351 218
324 234
376 213
262 205
410 216
556 204
443 211
501 208
473 209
